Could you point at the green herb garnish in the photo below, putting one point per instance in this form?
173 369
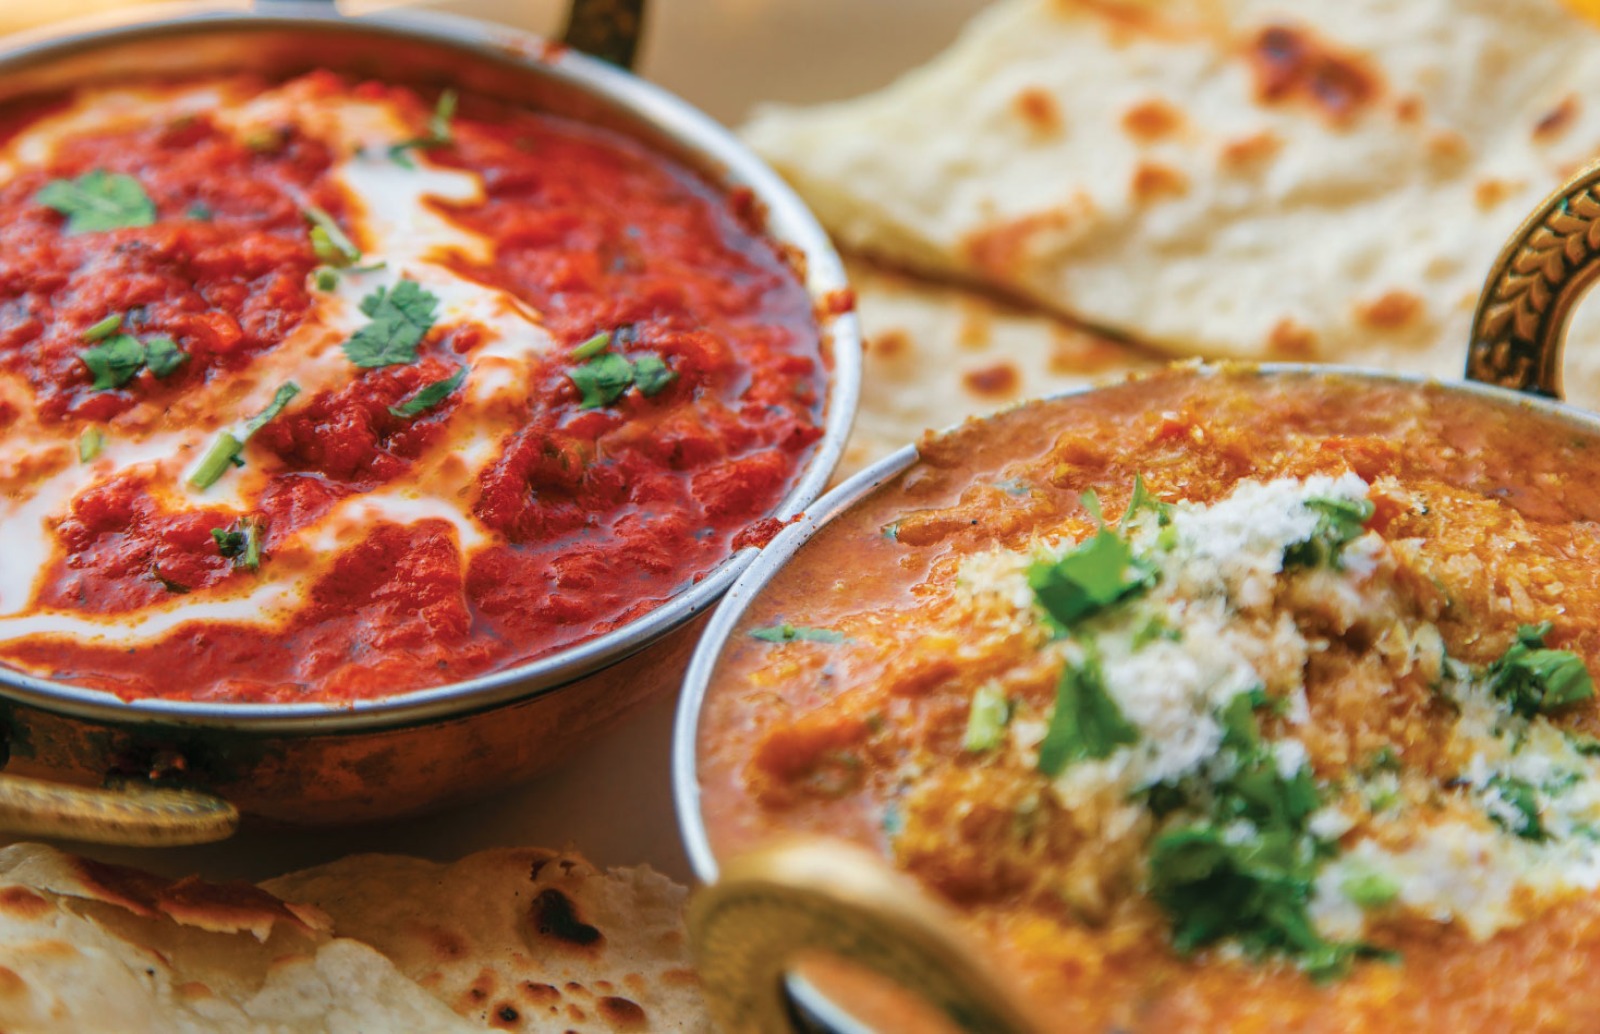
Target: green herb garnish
1370 889
592 347
787 633
651 375
115 361
1522 801
1086 722
90 443
429 396
328 241
440 132
1339 522
608 376
1535 680
98 201
163 355
1088 578
400 319
224 452
241 543
1143 501
230 543
104 329
986 722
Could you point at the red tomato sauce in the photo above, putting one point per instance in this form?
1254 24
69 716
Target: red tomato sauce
598 515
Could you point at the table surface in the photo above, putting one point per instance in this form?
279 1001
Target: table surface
613 801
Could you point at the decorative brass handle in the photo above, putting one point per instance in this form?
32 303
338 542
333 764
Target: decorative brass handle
1534 285
770 908
142 817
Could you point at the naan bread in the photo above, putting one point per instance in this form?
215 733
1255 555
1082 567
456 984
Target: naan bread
1269 179
521 940
91 948
937 354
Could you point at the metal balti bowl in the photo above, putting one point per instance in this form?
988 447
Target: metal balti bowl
763 914
326 763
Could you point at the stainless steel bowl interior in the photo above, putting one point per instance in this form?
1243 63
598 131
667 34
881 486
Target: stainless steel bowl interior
423 48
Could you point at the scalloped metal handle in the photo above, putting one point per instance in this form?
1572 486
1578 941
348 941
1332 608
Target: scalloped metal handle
773 907
141 817
1534 286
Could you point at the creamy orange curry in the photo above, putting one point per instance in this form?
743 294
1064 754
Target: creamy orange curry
1215 700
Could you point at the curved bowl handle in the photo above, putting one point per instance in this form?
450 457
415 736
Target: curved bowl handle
1540 276
770 908
142 817
606 29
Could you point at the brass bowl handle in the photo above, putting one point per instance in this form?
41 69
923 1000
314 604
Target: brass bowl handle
1520 325
142 817
770 908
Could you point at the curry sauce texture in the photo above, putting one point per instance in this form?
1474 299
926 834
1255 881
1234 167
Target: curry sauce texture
1216 700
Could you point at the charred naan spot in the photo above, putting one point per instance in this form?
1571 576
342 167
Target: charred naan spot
1557 120
539 994
999 380
1152 182
1002 250
505 1016
1072 353
1038 110
1151 120
446 945
1408 109
622 1013
976 330
577 1014
1291 340
22 902
1291 64
890 344
11 984
1249 151
480 991
554 917
1447 147
1391 311
1490 192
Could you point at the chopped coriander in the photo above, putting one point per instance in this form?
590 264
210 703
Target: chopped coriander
104 329
440 132
987 720
224 452
400 319
1086 722
230 543
1339 522
430 395
1521 812
787 633
1088 578
328 241
240 543
1535 680
99 200
325 279
114 362
592 347
1155 628
90 443
651 375
163 355
1143 501
602 380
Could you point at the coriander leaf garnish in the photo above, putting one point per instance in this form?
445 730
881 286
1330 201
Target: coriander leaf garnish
1535 680
787 633
328 241
325 279
986 722
241 543
1369 888
99 200
593 347
400 319
224 452
1088 578
651 375
1086 722
602 380
104 329
163 355
1143 501
90 443
115 361
1520 811
440 132
429 396
1339 522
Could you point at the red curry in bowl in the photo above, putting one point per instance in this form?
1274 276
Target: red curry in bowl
1218 700
328 390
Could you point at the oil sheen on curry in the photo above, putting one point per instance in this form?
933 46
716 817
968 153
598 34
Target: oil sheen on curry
1212 701
327 390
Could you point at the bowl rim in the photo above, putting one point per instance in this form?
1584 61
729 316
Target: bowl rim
750 586
723 159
